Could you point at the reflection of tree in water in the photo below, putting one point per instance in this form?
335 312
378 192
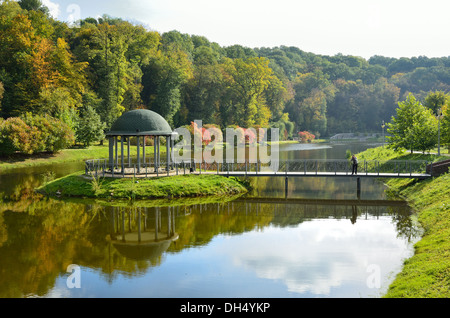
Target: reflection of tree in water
407 228
40 238
199 224
40 244
3 231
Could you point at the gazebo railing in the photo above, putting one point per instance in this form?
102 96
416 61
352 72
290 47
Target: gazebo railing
133 167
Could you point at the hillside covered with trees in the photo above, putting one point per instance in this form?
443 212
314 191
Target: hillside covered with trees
87 75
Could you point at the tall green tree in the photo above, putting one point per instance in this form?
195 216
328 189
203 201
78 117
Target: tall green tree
169 71
2 90
35 5
89 128
313 91
202 93
104 46
414 127
445 126
436 100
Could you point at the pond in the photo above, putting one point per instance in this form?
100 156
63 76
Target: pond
249 247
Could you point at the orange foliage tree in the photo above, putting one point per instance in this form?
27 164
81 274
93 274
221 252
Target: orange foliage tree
306 136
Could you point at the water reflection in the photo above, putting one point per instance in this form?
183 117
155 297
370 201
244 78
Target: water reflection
137 233
301 245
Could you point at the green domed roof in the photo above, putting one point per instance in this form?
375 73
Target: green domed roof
140 122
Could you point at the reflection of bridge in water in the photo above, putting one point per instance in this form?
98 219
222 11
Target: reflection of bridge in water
333 202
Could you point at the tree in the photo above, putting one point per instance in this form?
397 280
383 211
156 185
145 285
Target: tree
103 46
90 127
306 136
436 100
172 69
203 92
247 82
33 60
308 110
17 41
445 125
414 127
2 90
35 5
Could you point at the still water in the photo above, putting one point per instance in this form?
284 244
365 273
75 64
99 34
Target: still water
238 248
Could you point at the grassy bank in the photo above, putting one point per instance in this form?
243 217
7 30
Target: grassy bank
75 185
427 273
66 155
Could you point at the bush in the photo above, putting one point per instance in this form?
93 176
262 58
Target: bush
34 134
64 136
16 135
306 136
54 134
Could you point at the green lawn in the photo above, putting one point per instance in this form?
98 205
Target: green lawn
75 185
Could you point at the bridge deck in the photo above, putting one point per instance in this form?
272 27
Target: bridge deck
316 174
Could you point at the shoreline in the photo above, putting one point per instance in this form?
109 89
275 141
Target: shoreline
426 273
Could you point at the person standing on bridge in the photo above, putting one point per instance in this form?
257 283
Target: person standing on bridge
354 165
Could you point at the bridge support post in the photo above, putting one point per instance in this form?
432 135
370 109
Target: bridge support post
286 187
358 187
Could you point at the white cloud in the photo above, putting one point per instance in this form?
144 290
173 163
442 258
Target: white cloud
53 8
316 257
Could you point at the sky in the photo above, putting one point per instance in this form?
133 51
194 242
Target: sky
391 28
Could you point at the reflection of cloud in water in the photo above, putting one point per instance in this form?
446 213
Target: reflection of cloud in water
291 147
317 256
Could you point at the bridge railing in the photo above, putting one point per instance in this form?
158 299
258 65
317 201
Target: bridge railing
308 166
345 166
100 167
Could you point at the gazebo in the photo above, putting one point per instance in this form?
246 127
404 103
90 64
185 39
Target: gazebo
139 123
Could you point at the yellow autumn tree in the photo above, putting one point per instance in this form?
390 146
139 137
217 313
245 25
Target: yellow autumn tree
248 80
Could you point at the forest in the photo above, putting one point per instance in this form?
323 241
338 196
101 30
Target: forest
85 75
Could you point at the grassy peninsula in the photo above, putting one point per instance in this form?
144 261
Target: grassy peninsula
76 185
427 273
